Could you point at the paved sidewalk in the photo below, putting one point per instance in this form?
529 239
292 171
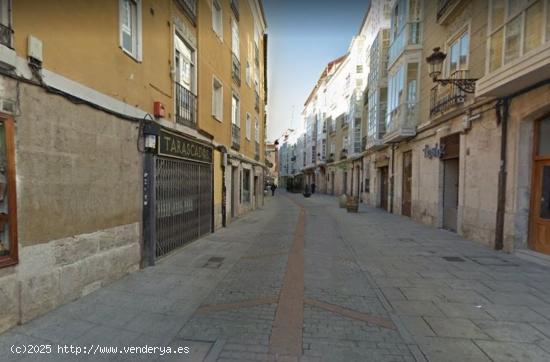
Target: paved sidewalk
303 280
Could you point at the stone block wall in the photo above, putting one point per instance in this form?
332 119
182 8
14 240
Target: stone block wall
78 175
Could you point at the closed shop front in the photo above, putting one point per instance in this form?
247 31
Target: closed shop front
183 192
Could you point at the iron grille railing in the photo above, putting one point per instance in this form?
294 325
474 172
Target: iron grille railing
257 150
190 8
236 69
235 137
256 101
444 98
183 209
256 55
186 106
235 8
442 7
5 35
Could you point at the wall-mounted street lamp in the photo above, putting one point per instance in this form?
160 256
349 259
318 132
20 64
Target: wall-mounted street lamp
435 62
150 133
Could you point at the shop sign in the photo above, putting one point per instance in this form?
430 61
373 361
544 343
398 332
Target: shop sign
174 145
437 151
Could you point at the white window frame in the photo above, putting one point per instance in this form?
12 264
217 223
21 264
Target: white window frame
137 52
217 9
180 37
507 19
236 114
235 38
248 126
453 39
217 106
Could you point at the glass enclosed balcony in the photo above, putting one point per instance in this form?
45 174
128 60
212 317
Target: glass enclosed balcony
409 35
401 122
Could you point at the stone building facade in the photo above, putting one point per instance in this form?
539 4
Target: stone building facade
468 151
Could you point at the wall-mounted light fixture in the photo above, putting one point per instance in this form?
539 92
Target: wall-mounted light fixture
150 133
435 62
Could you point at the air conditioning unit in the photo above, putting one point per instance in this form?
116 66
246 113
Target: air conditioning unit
7 106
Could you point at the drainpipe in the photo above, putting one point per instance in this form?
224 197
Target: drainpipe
392 176
501 109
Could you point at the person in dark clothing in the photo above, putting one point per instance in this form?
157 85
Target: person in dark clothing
273 188
313 188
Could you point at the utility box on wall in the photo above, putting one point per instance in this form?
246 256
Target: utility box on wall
159 110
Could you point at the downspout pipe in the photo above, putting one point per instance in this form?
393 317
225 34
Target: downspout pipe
392 177
502 114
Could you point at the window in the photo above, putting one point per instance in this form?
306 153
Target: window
217 18
8 221
359 68
5 22
257 130
458 53
248 126
516 28
130 27
235 37
235 111
184 64
217 99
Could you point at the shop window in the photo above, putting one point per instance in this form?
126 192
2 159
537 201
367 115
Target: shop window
8 209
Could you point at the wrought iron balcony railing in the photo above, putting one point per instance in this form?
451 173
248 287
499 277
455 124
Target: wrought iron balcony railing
446 97
235 8
6 34
257 150
235 137
256 101
190 8
236 69
186 106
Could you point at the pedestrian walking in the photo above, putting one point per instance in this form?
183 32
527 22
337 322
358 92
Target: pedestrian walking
273 188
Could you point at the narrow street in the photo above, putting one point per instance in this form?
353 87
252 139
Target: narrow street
303 280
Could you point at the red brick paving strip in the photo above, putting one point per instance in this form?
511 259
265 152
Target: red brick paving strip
285 342
373 320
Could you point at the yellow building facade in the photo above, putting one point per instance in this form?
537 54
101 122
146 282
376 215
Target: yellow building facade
95 99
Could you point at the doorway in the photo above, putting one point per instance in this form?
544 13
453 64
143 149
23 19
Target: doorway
384 183
407 184
234 191
451 165
539 235
332 183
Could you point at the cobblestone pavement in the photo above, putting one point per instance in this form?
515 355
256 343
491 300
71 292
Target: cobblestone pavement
303 280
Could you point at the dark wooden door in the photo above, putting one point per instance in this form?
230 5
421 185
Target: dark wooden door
539 236
407 184
540 216
384 188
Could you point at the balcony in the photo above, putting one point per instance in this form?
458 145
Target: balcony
344 121
186 106
330 158
190 8
377 130
343 154
257 102
401 122
236 69
445 10
235 8
445 98
257 151
235 137
6 35
409 35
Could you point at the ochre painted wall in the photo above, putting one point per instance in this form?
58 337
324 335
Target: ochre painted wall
88 51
